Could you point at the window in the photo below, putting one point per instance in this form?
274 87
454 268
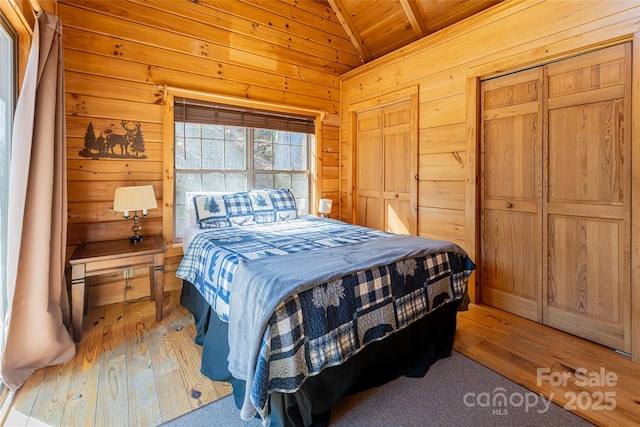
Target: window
8 67
222 148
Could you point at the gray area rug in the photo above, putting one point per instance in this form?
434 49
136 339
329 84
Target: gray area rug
455 392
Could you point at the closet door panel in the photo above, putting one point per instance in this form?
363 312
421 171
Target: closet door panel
509 146
386 156
588 197
584 252
589 72
369 212
511 183
369 168
398 216
585 151
585 272
508 263
397 152
399 157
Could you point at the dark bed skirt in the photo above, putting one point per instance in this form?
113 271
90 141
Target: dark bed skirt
408 352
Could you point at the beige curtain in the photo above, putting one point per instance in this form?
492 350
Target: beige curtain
37 237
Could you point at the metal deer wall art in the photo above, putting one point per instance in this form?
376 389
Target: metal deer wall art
127 145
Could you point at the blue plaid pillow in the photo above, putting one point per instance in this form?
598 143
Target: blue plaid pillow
284 204
238 207
273 205
211 211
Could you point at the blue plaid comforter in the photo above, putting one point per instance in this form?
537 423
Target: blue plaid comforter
312 330
212 257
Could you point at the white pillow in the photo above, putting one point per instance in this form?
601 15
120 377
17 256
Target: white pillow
193 219
211 211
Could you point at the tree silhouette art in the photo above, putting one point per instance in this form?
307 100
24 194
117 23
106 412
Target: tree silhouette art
127 145
89 141
212 205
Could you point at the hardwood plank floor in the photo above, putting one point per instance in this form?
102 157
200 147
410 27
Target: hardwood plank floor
129 371
593 381
133 371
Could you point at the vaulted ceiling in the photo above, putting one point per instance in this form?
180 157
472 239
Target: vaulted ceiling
377 27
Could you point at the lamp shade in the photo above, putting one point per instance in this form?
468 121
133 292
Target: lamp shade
324 206
134 199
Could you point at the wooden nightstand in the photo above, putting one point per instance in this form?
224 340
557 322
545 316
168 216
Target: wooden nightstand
92 259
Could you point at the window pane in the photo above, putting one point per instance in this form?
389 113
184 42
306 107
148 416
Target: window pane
283 180
213 131
236 181
298 138
300 189
235 147
7 101
234 155
178 129
283 137
282 160
193 130
262 150
300 185
298 158
185 182
235 133
264 181
187 153
266 135
302 203
213 182
212 154
181 220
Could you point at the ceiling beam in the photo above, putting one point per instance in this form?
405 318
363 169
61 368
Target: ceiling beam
349 27
415 18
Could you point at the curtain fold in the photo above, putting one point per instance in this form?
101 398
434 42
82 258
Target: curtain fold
36 241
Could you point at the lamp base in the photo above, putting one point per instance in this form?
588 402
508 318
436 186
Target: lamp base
136 228
136 239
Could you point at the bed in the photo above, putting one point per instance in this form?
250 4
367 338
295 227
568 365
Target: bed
297 311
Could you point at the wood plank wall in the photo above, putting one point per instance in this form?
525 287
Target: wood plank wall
119 54
510 36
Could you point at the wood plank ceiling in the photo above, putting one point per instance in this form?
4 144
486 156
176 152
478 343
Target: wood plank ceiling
377 27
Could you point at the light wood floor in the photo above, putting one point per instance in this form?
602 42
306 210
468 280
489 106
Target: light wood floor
517 348
129 371
134 371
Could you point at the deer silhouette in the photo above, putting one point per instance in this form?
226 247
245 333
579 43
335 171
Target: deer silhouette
123 141
116 139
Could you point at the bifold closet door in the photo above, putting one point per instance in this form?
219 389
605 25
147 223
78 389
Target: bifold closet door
386 162
369 168
399 184
587 208
511 185
556 195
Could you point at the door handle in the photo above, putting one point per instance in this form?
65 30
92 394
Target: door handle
509 205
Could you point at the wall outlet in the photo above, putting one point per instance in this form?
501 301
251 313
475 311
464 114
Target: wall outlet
128 273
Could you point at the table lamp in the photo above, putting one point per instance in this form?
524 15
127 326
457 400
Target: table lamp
324 207
134 199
